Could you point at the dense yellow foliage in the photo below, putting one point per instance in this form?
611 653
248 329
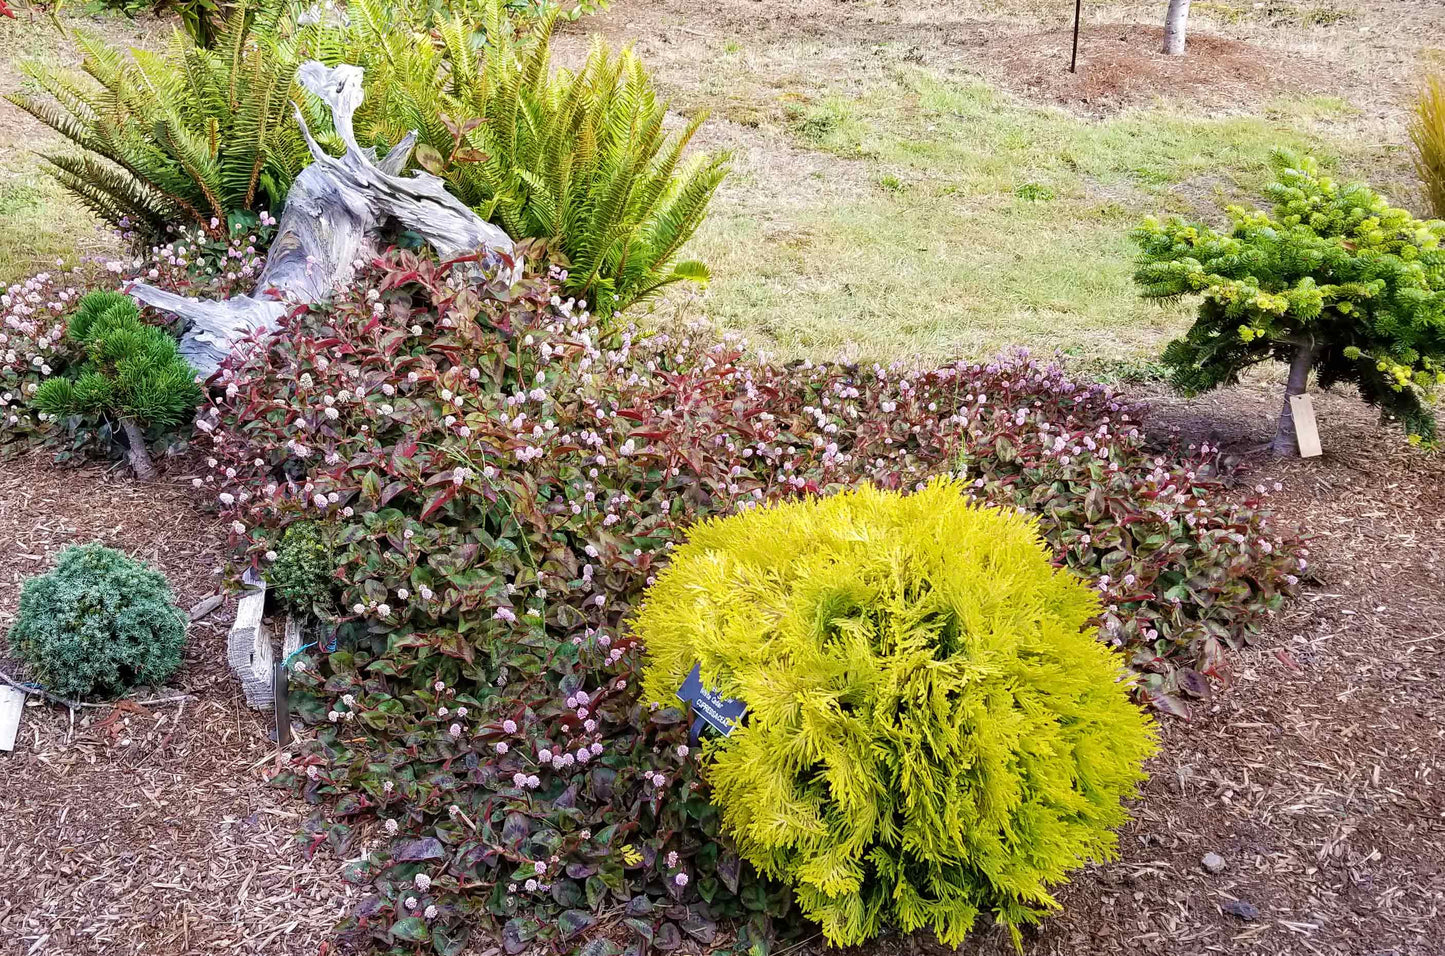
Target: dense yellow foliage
933 731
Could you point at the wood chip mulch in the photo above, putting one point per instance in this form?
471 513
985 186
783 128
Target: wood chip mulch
1317 777
145 830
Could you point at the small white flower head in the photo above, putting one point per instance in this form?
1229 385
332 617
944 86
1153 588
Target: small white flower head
391 827
410 902
501 747
423 882
358 608
530 885
456 730
388 787
510 726
682 750
439 686
383 609
544 755
430 912
539 867
680 879
461 711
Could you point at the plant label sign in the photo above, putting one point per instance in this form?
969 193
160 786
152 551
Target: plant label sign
1306 431
716 711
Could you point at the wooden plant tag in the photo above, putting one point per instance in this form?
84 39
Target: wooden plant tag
12 703
716 711
1305 429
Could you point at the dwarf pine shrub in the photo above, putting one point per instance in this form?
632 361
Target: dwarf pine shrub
97 624
933 730
133 373
1333 279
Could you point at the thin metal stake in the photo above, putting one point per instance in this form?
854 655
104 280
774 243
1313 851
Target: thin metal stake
1074 60
282 697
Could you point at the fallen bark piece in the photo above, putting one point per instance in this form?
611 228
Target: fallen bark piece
334 216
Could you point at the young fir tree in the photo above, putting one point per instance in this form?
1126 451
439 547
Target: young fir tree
1333 279
132 374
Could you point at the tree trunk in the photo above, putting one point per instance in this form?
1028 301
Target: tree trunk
334 215
1176 20
140 456
1285 441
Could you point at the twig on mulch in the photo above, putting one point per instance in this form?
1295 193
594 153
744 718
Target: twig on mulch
76 704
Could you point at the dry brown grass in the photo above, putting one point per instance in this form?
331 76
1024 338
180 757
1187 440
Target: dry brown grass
1427 135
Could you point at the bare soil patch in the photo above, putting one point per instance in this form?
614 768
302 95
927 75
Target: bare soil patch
1120 65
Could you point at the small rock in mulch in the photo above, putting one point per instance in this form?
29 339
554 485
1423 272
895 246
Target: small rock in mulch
1245 911
1213 862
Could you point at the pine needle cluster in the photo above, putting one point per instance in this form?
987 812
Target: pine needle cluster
933 731
98 623
132 370
1333 276
579 159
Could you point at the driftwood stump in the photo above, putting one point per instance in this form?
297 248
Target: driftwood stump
334 215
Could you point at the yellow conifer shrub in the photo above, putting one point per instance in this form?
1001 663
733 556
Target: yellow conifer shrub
933 732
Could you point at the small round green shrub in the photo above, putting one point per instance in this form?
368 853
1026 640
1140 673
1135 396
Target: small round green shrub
933 732
97 624
305 567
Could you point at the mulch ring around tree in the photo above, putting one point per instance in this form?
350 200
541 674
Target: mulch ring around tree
1313 779
1121 65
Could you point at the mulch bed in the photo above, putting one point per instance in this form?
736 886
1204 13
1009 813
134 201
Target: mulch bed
1316 775
145 830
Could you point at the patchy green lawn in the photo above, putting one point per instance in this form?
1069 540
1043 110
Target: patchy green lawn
899 191
982 222
39 221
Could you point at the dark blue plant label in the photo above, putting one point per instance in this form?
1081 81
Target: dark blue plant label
718 712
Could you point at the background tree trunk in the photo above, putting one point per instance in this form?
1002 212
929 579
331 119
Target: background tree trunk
1175 22
1285 442
140 456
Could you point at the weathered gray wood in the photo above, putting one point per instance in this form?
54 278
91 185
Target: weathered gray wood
335 214
249 651
12 705
291 636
